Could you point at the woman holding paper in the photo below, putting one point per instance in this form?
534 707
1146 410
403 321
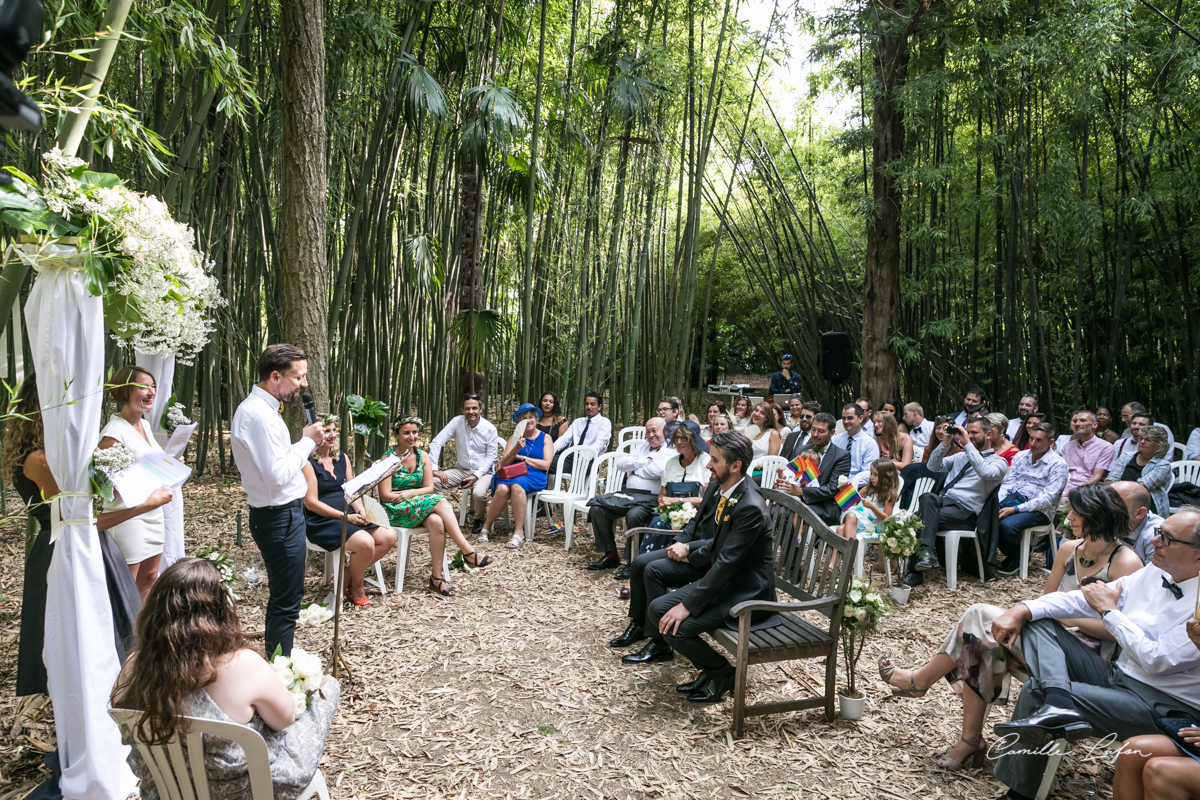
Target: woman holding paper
140 538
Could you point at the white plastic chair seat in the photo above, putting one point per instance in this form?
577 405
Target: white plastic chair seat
333 561
403 542
768 465
573 499
169 767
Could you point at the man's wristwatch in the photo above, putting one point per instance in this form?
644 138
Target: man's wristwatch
1106 612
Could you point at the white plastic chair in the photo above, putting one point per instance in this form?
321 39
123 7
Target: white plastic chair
1182 452
768 465
169 767
860 553
953 537
613 480
568 498
403 541
1184 472
922 486
631 434
1036 531
333 558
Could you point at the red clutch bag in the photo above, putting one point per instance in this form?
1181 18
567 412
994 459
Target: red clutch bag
513 471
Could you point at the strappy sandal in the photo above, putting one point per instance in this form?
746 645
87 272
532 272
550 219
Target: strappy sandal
441 586
977 757
516 541
477 564
885 672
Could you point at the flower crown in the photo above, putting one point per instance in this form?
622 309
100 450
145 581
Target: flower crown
330 419
408 420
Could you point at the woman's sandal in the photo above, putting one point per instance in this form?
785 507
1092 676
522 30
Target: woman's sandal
478 564
516 541
977 757
366 601
441 586
885 672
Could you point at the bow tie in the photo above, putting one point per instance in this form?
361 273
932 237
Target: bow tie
819 453
1173 589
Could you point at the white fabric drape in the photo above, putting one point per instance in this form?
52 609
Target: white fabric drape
66 335
163 370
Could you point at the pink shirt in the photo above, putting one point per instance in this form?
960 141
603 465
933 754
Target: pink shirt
1083 458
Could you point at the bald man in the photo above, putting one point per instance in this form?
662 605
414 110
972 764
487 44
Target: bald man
1143 522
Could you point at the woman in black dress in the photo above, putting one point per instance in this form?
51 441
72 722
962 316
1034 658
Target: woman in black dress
25 465
326 470
554 422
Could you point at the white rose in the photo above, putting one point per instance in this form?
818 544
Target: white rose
313 682
856 596
842 481
287 676
305 664
281 662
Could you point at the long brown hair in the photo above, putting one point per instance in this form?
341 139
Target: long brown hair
770 418
186 626
891 433
887 483
23 434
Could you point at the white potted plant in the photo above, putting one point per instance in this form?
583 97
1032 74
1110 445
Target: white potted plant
898 540
860 618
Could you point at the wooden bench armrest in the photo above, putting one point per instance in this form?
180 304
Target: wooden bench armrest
762 605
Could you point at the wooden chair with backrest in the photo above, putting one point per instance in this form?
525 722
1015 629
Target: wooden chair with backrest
169 767
813 568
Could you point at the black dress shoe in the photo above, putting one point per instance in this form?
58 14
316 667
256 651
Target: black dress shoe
914 579
632 634
712 690
476 526
926 560
693 686
653 651
1053 721
621 574
605 562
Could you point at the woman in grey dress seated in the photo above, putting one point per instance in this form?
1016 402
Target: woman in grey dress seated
192 660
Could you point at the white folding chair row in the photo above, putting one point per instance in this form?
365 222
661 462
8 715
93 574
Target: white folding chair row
169 768
1028 536
571 498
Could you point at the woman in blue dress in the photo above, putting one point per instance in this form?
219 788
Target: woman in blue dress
533 448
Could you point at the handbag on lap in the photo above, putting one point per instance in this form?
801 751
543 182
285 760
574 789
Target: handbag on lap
513 471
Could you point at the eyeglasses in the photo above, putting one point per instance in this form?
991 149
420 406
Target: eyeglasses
1166 540
664 409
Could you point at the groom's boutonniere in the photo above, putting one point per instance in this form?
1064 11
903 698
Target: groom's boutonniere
729 504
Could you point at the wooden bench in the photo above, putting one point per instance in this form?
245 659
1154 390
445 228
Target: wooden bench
813 565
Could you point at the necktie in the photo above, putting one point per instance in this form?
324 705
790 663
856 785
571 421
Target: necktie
280 409
587 421
1173 589
721 507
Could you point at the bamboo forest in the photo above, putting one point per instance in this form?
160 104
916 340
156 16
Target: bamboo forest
509 196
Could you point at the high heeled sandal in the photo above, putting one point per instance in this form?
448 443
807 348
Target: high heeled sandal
885 673
477 563
977 757
441 586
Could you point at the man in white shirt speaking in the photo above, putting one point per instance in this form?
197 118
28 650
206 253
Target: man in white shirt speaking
1074 693
271 465
475 445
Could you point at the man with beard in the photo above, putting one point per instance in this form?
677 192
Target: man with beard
1028 405
973 404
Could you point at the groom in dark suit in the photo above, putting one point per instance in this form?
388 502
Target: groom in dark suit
728 558
833 463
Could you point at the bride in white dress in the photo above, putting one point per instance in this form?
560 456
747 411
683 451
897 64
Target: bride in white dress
140 538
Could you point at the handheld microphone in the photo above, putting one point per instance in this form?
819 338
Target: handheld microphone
310 410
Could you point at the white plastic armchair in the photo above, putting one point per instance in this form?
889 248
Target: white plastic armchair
1184 472
768 465
333 558
626 436
570 498
169 767
1035 531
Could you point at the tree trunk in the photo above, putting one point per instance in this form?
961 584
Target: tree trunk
302 182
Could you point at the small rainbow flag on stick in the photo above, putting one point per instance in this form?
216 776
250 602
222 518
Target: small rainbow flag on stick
847 496
805 466
556 528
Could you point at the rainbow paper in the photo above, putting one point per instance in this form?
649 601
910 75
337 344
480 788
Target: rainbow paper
847 496
805 466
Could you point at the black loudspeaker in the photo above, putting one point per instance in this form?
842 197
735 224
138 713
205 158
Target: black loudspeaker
835 356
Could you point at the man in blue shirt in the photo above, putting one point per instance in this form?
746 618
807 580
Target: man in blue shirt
785 381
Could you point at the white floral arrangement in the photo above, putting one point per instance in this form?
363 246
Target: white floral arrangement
107 464
861 612
301 673
174 416
312 615
156 285
677 514
898 534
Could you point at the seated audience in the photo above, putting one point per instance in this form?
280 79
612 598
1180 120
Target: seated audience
802 417
531 447
475 448
973 403
1147 465
1127 412
1022 440
636 502
716 573
1143 522
1104 425
1138 422
893 407
970 653
878 500
721 423
792 416
554 422
920 430
324 502
970 478
998 437
1088 456
741 413
1072 692
593 430
192 660
1154 767
862 448
768 439
869 423
833 463
784 382
715 408
410 502
894 446
1027 405
940 426
1027 493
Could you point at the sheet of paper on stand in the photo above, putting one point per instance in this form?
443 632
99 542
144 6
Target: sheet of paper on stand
148 473
179 439
371 476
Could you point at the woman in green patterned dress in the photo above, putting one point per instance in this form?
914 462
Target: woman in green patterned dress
410 502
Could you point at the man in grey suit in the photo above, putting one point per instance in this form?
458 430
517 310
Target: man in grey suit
833 462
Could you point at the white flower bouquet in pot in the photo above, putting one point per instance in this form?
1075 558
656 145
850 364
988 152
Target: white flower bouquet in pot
898 537
156 285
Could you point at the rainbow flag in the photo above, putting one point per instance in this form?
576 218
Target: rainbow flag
847 496
556 528
805 466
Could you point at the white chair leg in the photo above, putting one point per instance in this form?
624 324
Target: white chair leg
379 579
463 502
316 788
1058 748
402 542
1026 535
530 519
859 558
979 560
569 522
952 560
